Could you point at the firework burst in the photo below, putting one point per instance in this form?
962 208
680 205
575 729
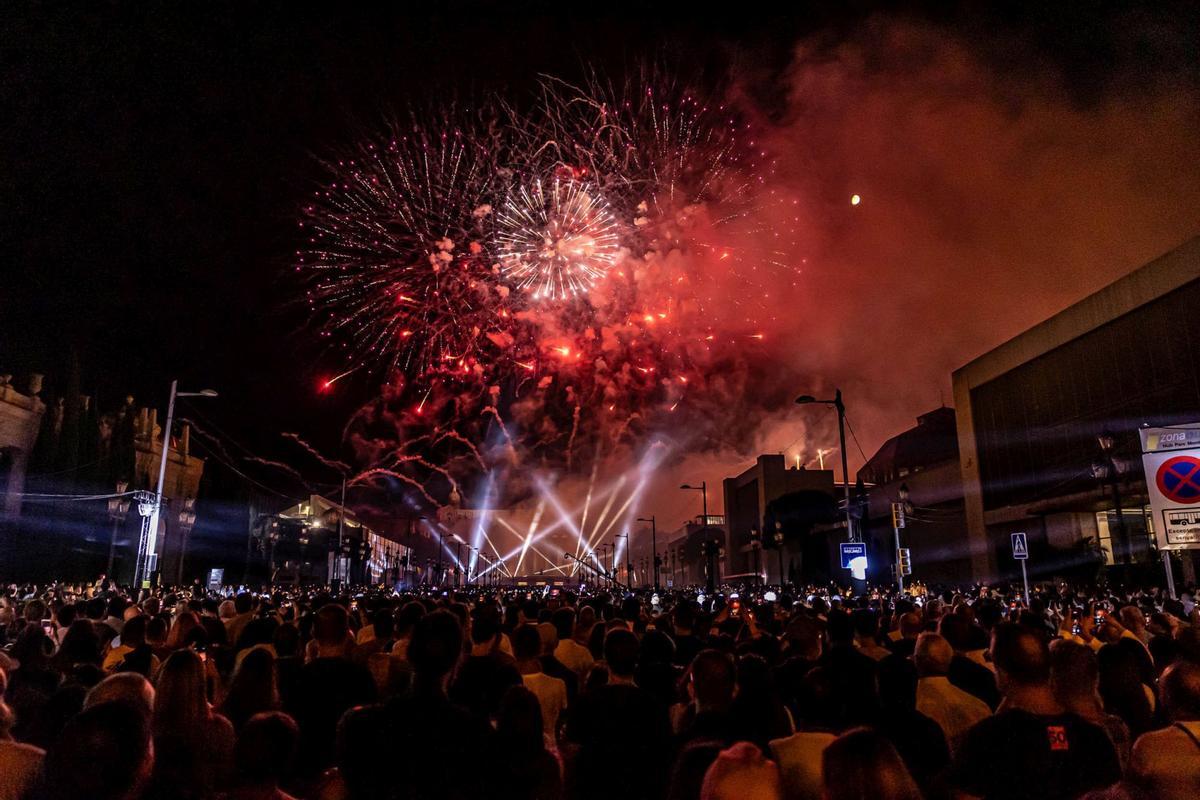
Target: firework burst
548 284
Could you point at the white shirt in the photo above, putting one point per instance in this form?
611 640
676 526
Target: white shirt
799 760
954 710
552 694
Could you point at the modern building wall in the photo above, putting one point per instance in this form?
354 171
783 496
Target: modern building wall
1030 411
747 496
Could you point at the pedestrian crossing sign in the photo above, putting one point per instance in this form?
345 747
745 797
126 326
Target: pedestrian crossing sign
1020 548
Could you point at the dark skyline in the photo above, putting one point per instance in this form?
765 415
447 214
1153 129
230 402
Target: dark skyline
156 155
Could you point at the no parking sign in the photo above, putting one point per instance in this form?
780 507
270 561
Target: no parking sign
1171 458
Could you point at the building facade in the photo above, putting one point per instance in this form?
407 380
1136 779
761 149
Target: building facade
1048 421
20 420
921 467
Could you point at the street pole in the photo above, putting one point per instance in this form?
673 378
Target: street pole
653 548
152 539
841 409
896 511
1025 579
337 564
704 501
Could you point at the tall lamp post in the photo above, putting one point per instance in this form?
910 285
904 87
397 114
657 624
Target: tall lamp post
703 489
1106 469
118 508
836 402
628 562
147 562
653 546
756 546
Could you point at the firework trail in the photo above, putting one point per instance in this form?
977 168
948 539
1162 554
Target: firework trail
312 451
370 474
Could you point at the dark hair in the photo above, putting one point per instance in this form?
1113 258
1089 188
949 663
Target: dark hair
485 624
839 627
100 754
286 639
384 623
436 645
862 764
1021 654
714 678
621 652
866 624
1181 691
526 642
243 603
266 747
519 723
252 689
564 622
693 761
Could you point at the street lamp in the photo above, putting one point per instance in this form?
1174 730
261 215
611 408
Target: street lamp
836 402
703 489
628 563
653 545
118 508
146 557
1106 469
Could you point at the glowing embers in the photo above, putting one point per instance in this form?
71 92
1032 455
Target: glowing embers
556 239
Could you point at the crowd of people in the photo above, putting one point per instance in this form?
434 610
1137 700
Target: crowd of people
551 693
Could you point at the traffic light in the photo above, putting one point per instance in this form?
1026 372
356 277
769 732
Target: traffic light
905 561
897 515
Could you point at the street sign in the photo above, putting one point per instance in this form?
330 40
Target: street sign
1020 548
1171 460
851 551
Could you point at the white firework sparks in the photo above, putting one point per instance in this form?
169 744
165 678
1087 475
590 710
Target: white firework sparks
556 241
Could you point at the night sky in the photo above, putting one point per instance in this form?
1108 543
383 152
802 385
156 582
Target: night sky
156 152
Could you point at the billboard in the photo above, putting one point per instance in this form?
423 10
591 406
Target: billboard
1171 458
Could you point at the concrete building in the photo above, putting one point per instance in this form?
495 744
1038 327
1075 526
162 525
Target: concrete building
1031 411
20 420
922 461
748 508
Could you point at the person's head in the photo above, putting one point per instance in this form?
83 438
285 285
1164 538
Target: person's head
803 637
862 764
932 656
526 644
134 632
1074 674
332 625
1132 618
818 702
1021 657
266 748
1181 691
156 632
183 629
384 624
410 614
621 652
485 625
519 722
116 607
897 683
243 603
286 640
564 623
254 677
911 625
549 634
691 765
956 629
840 627
435 646
104 753
80 645
866 624
742 773
124 687
180 702
713 679
227 610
